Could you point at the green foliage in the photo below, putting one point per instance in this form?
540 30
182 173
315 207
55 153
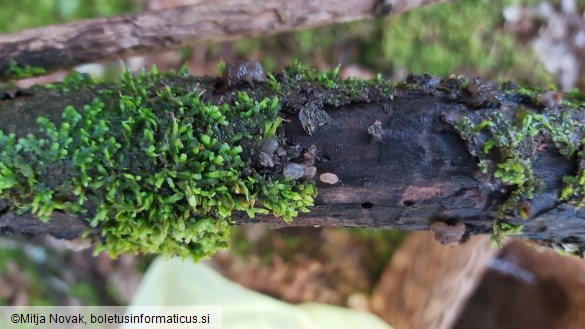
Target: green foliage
275 86
220 67
27 71
511 138
574 98
158 169
296 73
574 189
328 78
443 39
20 15
503 229
456 37
73 81
453 38
337 91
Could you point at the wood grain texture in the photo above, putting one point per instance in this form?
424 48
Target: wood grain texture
67 45
427 285
478 285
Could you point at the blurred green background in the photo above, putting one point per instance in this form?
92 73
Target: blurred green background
463 37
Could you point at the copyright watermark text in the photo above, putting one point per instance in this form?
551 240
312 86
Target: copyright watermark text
96 317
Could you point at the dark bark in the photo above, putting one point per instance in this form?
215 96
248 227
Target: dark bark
64 46
415 170
420 172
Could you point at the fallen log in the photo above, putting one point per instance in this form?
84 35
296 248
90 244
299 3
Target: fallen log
188 156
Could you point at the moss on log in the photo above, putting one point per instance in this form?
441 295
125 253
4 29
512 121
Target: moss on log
164 163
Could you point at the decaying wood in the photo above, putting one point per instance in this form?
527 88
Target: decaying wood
416 169
67 45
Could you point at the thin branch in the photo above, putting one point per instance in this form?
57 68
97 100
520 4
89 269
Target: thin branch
64 46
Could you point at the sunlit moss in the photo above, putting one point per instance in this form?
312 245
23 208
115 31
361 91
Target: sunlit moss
157 169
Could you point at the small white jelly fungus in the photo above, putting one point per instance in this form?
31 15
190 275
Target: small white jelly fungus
329 178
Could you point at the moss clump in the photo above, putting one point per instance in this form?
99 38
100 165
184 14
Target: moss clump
502 229
335 91
74 81
511 136
156 168
574 189
21 72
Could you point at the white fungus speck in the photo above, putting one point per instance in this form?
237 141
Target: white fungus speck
329 178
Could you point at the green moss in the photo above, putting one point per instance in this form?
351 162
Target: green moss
453 38
574 98
73 81
275 86
43 13
510 139
336 92
503 229
158 170
574 189
20 72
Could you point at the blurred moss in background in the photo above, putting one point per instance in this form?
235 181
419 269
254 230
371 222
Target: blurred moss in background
463 37
25 14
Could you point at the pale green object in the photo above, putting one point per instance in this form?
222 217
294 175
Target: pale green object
176 282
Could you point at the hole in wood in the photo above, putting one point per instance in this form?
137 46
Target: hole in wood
367 205
408 203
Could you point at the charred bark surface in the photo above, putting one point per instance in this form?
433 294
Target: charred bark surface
418 172
421 172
